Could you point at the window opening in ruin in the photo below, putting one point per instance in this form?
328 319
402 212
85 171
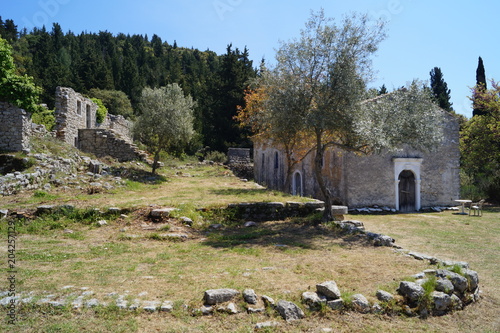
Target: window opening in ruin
79 107
89 118
276 160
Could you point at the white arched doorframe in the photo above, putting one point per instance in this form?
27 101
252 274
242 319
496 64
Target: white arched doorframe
413 165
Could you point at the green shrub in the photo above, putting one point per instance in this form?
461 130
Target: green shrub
101 112
216 156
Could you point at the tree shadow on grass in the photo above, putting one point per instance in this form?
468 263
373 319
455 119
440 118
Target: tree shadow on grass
284 235
138 175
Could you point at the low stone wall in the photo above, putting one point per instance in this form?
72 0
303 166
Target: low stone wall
271 211
15 128
101 143
239 156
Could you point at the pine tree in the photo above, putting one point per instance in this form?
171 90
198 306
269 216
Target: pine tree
481 85
440 89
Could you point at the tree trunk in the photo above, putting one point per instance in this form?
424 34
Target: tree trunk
155 162
318 161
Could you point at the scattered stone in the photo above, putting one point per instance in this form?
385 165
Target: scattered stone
167 306
312 299
250 224
230 308
255 310
4 213
440 300
102 223
150 306
121 303
384 296
268 268
459 282
289 311
268 301
336 304
217 296
161 212
360 303
456 303
68 231
92 303
206 310
114 210
250 296
445 286
134 305
329 289
410 290
45 209
472 277
326 330
266 324
186 220
216 226
383 240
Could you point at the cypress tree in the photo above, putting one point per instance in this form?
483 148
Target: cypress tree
440 90
481 85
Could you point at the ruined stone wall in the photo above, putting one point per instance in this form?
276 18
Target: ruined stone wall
102 142
119 125
239 155
73 112
15 128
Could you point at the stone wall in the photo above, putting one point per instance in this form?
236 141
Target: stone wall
73 112
15 128
239 156
102 142
119 125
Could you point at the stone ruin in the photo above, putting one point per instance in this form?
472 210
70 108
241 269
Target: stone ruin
76 125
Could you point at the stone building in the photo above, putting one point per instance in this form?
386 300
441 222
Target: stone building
73 112
15 128
406 181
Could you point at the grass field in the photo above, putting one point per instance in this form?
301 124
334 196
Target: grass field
281 259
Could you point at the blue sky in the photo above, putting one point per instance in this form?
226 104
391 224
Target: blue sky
421 34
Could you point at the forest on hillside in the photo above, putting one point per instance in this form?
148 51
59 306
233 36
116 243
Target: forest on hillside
98 63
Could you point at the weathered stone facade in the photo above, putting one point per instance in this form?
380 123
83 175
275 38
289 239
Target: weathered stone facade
73 112
119 125
357 181
15 128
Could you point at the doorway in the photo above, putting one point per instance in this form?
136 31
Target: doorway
407 197
297 184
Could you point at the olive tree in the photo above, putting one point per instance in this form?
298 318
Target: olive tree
166 121
319 85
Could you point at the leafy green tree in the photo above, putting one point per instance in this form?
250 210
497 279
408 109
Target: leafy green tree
117 102
480 145
16 89
440 89
325 73
166 120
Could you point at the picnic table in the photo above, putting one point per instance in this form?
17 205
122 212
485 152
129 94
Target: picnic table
463 202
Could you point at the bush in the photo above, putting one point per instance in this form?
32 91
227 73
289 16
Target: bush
216 156
101 112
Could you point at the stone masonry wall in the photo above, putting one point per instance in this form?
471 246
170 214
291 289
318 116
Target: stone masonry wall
102 142
73 112
15 128
119 125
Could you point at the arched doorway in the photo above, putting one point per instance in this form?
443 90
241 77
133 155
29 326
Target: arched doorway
407 197
297 184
